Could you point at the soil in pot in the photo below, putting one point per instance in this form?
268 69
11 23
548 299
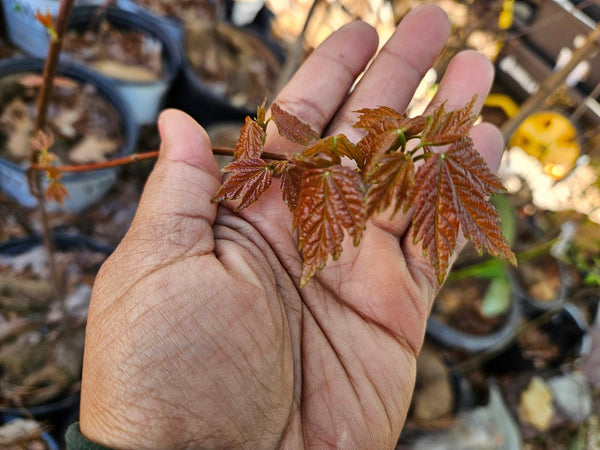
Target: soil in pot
85 127
127 55
461 305
540 278
41 333
231 62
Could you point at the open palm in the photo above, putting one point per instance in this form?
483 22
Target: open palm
198 335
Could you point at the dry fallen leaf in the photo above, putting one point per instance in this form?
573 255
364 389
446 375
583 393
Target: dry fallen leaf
115 69
93 149
535 406
16 121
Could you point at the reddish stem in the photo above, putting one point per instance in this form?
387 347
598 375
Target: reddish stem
225 151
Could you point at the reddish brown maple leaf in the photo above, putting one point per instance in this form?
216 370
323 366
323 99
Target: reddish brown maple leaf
251 142
56 191
446 127
369 117
292 128
451 191
334 147
47 22
291 183
330 203
383 136
249 179
389 181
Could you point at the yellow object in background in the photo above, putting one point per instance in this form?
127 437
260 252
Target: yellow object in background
504 102
552 139
505 18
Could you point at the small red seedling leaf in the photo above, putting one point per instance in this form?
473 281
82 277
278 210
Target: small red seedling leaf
384 136
369 117
292 128
47 22
57 192
451 191
291 183
41 141
446 127
389 180
44 18
261 115
249 179
251 143
330 202
334 147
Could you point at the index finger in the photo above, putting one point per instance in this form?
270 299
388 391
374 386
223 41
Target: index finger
320 85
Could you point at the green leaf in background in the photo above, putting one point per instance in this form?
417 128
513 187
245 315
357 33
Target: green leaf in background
497 297
505 210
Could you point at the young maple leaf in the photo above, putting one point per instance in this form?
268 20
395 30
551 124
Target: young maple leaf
291 181
251 141
389 180
451 191
42 141
386 135
250 178
330 201
292 128
46 20
446 127
369 117
334 147
56 191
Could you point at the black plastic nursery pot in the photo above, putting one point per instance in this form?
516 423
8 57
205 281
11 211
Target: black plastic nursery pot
195 96
144 98
560 339
64 410
536 304
171 25
452 337
84 188
24 30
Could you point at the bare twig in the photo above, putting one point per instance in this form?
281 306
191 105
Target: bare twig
54 49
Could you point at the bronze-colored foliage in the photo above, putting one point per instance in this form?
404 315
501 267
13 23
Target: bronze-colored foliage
334 147
251 141
292 128
249 179
330 202
291 183
446 127
369 117
389 180
448 193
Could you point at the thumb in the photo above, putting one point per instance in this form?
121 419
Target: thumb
175 208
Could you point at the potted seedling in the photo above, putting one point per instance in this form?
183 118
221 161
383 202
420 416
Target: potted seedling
130 50
46 281
89 123
227 70
476 310
23 28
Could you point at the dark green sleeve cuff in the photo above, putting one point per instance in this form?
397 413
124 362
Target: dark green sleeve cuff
76 441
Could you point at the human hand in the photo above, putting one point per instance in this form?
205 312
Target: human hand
198 335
